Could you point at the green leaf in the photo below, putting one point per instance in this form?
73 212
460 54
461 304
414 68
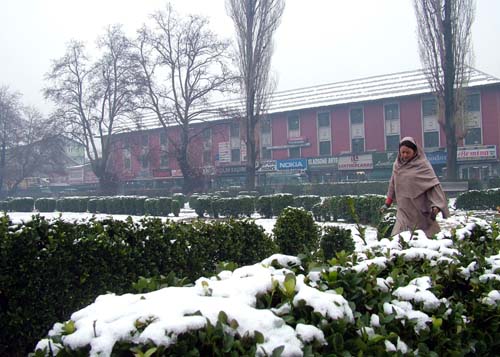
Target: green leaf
437 322
222 318
259 337
278 351
150 352
289 284
68 328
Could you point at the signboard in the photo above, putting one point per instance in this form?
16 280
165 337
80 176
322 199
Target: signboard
356 162
436 157
298 140
176 173
384 160
322 162
231 170
291 164
267 166
224 154
470 153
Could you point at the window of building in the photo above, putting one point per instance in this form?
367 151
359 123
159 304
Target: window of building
431 139
392 134
294 153
265 139
164 162
325 148
430 123
266 154
473 120
235 155
127 161
145 160
265 126
163 140
235 130
356 117
293 126
324 134
358 146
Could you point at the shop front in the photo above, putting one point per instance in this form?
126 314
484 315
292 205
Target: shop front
323 169
477 162
356 167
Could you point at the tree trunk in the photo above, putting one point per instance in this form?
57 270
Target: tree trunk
108 185
191 179
250 98
449 96
2 168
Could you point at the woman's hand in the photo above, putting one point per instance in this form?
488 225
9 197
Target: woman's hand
434 211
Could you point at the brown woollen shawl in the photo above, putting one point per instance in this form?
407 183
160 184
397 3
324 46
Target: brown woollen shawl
414 177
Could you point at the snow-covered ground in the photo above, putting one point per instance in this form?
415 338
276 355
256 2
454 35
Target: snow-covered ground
171 311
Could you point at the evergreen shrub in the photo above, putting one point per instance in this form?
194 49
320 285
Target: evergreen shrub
22 204
45 204
176 208
295 232
334 240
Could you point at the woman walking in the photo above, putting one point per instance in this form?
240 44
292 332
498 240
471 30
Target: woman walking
417 191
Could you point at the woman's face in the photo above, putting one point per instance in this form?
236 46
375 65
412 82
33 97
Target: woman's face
406 153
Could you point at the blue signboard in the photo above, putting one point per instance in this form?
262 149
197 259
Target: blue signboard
291 164
436 157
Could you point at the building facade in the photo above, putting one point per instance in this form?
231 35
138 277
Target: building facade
329 133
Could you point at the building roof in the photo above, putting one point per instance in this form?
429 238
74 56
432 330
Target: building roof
346 92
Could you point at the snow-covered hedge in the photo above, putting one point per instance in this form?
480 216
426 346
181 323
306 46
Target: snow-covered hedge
408 295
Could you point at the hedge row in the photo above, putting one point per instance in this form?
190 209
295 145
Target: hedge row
129 205
382 302
245 205
358 209
479 200
48 269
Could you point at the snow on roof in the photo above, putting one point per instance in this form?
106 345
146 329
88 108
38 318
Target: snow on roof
352 91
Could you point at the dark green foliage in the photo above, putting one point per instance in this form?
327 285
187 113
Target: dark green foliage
462 323
358 209
152 207
386 224
176 208
295 232
307 201
23 204
164 206
479 200
180 197
4 206
72 204
49 269
264 206
45 204
335 240
280 201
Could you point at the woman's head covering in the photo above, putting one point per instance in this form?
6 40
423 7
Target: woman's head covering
408 143
415 176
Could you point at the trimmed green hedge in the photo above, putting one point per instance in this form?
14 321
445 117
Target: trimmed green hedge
48 269
479 200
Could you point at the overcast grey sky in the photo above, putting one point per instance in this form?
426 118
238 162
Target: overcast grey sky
319 41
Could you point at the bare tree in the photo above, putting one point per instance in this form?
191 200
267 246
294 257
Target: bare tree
94 98
183 65
37 151
10 115
444 33
30 144
255 22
